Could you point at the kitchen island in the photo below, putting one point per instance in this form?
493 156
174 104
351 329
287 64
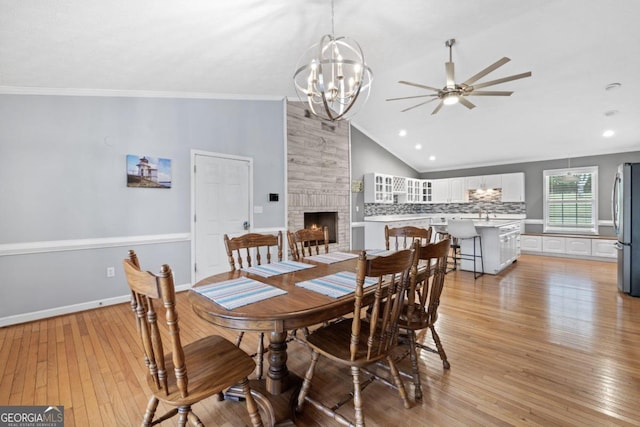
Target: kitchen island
500 244
500 235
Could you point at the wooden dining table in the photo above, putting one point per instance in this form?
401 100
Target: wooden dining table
298 308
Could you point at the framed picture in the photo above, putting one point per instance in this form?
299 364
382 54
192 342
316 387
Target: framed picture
148 172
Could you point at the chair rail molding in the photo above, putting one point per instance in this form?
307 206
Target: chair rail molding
9 249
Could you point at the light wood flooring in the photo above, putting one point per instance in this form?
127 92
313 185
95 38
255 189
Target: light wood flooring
548 342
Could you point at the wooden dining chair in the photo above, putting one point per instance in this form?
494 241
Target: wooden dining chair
420 310
181 375
361 341
403 237
247 250
307 242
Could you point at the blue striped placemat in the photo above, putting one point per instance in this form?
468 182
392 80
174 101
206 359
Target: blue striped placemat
331 257
335 285
276 268
238 292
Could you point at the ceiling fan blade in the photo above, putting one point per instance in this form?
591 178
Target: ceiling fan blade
464 101
409 97
449 67
486 71
418 105
437 108
418 85
503 80
489 93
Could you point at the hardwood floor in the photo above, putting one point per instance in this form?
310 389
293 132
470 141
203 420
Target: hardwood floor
548 342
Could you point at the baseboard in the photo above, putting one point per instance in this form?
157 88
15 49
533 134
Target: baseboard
74 308
589 258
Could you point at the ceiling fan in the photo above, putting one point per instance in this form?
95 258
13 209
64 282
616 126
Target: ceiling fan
453 93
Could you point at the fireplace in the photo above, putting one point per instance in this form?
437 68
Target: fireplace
323 219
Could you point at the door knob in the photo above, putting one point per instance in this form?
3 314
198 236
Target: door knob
246 225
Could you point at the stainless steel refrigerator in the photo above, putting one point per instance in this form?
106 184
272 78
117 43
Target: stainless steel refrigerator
626 222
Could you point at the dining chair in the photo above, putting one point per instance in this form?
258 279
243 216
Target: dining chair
403 237
307 242
464 229
361 341
420 310
241 252
181 375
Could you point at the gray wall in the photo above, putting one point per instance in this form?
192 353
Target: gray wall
534 186
63 175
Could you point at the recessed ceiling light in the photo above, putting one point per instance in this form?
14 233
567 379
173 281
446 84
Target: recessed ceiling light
402 132
608 133
432 158
612 86
418 146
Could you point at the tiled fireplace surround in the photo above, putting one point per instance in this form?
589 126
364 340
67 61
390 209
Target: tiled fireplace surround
318 175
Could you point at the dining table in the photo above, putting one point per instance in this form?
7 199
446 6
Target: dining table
295 301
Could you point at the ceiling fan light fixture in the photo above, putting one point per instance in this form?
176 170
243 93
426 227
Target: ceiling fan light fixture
450 98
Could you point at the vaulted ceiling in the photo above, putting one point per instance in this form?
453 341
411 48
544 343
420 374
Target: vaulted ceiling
250 48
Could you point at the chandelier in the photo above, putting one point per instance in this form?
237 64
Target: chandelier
332 77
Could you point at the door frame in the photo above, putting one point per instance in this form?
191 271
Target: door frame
195 153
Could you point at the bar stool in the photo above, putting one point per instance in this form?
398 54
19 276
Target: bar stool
463 229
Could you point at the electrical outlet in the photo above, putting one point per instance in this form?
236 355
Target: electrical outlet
111 271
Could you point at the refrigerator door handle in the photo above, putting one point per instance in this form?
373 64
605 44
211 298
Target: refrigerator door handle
618 246
615 207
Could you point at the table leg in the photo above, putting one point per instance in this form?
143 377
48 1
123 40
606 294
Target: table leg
278 372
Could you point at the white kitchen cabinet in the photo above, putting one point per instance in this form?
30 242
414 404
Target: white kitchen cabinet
426 191
553 244
577 246
449 190
531 243
378 188
513 187
483 182
413 190
604 248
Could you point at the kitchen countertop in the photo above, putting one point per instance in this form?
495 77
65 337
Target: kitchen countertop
483 223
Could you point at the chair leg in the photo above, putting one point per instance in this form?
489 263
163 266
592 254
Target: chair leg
396 378
150 412
413 354
252 407
443 355
357 397
260 356
194 420
183 413
304 390
239 338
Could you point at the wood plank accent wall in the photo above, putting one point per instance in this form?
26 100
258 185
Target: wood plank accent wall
318 170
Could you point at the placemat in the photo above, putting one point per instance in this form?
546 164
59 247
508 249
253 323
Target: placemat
335 285
276 268
331 257
238 292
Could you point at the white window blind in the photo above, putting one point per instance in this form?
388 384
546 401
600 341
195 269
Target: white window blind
571 200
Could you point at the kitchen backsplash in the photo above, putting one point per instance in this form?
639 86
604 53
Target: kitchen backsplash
487 202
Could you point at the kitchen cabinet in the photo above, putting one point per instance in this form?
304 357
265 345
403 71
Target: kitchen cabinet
604 248
426 191
483 182
571 246
378 188
413 190
448 190
500 245
513 187
374 229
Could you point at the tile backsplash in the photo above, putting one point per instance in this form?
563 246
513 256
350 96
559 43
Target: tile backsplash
485 201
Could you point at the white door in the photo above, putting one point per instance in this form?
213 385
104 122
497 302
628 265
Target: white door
221 206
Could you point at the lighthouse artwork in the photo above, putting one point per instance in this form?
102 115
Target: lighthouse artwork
148 172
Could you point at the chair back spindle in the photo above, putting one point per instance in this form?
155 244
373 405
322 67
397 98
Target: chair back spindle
240 249
308 241
403 237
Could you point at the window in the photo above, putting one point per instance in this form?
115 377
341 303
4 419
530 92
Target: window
571 200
